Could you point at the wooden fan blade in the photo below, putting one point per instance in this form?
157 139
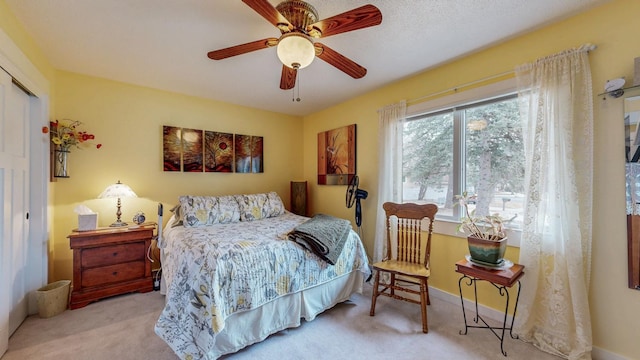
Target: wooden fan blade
242 49
288 78
362 17
267 11
339 61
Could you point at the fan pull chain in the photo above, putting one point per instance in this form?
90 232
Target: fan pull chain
297 85
298 81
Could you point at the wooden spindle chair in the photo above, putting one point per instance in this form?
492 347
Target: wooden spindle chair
404 261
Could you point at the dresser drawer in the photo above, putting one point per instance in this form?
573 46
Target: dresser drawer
110 261
113 273
111 255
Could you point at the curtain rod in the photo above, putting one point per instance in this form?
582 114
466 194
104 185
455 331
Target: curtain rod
585 47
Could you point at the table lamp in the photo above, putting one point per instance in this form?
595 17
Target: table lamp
117 190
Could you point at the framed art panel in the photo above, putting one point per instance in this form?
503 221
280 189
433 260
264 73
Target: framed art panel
257 157
192 150
249 154
171 147
337 155
218 152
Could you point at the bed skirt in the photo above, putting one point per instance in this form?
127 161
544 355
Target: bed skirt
241 329
249 327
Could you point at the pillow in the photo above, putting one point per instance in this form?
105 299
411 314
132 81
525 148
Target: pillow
177 212
252 207
199 210
209 210
274 204
260 206
228 209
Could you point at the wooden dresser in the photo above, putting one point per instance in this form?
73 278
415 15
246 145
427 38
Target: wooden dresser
110 261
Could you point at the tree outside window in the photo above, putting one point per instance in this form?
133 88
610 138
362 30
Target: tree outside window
488 163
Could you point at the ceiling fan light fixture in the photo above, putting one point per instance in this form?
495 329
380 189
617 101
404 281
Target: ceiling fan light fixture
296 50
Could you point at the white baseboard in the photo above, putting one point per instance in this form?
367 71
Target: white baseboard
602 354
489 313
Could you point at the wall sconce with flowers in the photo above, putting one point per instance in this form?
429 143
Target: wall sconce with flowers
65 134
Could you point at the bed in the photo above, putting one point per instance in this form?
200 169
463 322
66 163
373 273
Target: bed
232 276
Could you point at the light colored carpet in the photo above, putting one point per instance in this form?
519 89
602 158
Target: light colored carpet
122 328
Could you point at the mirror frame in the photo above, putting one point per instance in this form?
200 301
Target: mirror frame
632 183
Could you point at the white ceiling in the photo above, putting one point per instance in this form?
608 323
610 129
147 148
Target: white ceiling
163 44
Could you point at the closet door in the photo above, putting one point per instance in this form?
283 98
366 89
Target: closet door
14 195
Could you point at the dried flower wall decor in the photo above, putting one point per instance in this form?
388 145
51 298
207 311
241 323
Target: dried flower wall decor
337 155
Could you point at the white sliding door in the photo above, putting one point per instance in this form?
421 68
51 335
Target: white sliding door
14 195
18 145
5 220
24 175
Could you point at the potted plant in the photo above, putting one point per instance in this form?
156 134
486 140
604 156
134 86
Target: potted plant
486 235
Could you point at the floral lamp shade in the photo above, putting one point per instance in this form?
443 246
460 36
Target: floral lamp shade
118 190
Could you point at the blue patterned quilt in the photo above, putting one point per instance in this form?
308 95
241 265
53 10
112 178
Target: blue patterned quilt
215 271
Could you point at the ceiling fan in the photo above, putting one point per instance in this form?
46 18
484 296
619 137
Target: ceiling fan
299 25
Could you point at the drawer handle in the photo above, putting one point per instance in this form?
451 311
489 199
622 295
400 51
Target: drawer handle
115 254
115 273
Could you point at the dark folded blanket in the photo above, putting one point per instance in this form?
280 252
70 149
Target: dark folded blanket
324 235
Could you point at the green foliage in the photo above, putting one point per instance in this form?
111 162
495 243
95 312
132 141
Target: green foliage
428 146
494 151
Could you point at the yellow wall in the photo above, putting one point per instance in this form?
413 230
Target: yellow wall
14 29
613 27
127 120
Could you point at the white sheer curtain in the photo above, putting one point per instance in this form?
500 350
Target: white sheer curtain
390 119
557 110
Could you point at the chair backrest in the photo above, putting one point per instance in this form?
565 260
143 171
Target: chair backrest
406 232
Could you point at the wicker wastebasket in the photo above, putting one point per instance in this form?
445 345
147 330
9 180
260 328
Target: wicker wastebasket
53 298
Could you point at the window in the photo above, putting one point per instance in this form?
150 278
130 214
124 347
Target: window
474 147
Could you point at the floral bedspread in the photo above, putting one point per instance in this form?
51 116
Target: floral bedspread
215 271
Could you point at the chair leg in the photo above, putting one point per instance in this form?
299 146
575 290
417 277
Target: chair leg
374 296
393 284
428 298
423 305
